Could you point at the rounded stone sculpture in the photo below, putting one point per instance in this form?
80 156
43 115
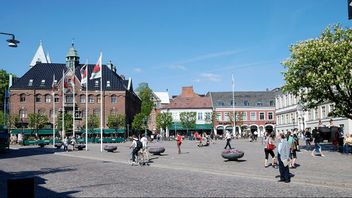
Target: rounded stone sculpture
80 146
232 154
110 148
156 150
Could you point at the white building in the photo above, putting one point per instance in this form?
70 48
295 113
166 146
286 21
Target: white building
290 115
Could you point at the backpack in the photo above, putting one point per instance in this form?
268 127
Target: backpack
139 144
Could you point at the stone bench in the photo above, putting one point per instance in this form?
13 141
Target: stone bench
110 148
156 150
232 154
80 146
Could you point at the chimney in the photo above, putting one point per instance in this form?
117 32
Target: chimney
188 92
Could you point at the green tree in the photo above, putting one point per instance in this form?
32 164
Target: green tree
163 120
320 70
188 120
139 122
146 96
116 121
4 79
68 122
37 121
2 118
93 122
12 121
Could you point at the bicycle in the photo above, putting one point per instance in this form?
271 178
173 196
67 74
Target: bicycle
141 159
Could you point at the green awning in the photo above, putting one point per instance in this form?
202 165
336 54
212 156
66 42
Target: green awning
178 126
105 131
33 131
24 131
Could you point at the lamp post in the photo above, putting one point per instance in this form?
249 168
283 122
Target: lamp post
12 42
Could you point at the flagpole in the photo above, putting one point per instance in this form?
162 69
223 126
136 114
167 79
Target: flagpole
53 89
87 106
63 105
101 103
233 106
74 101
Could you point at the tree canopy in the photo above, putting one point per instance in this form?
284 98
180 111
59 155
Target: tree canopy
163 120
116 121
188 119
320 70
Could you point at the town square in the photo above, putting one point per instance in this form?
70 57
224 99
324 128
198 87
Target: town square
167 98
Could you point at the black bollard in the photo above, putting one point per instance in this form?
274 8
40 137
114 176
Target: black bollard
20 187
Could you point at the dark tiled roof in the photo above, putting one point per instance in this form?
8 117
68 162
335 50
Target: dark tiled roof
252 98
45 71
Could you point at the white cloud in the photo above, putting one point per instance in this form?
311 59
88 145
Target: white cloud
210 77
137 69
179 67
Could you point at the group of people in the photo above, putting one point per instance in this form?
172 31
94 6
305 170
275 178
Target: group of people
287 147
139 146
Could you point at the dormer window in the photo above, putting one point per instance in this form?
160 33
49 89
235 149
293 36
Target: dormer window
108 83
42 83
96 83
30 83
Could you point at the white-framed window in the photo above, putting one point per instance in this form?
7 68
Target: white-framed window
90 99
113 99
200 116
208 116
226 116
47 98
244 116
38 98
261 116
30 82
108 83
98 99
323 112
218 116
270 115
253 116
82 99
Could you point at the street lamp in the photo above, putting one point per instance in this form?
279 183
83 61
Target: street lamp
12 42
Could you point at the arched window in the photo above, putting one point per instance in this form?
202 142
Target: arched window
82 99
38 98
23 98
113 99
98 99
47 98
90 99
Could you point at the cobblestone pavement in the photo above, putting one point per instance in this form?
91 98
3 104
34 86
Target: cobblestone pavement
197 171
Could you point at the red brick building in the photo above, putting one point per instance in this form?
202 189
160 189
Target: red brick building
33 93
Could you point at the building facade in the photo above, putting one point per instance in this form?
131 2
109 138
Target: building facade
189 101
48 85
255 111
290 115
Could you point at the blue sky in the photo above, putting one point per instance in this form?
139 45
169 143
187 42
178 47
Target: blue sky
170 43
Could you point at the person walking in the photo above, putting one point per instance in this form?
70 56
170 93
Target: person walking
65 144
179 142
283 151
269 149
228 139
308 138
317 146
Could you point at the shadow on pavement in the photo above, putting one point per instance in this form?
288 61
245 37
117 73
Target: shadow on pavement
28 151
238 160
22 189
